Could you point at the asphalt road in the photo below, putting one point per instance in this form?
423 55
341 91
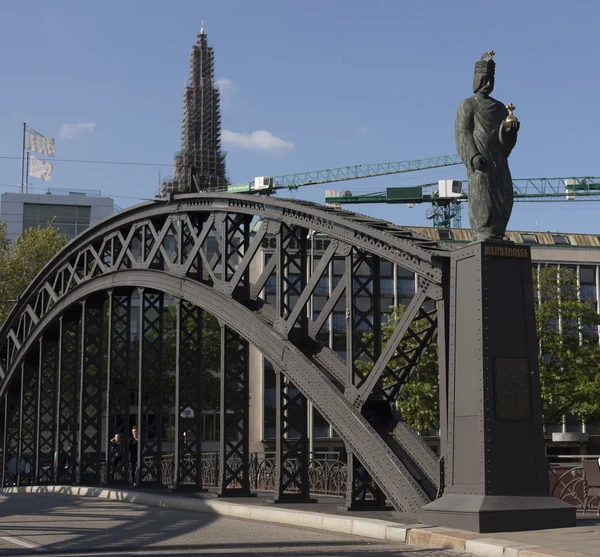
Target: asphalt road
45 524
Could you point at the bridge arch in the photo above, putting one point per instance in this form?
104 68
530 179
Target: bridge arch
130 250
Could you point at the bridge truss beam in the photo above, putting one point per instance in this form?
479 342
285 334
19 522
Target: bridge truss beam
198 250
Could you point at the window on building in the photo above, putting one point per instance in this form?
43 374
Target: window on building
211 427
70 220
405 283
529 239
387 286
560 239
271 285
587 279
587 285
386 269
322 285
387 303
320 426
445 234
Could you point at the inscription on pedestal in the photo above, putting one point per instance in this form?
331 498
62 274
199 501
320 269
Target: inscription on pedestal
512 389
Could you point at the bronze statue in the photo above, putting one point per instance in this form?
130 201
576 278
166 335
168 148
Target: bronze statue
486 133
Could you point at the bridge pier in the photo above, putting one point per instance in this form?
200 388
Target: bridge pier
495 466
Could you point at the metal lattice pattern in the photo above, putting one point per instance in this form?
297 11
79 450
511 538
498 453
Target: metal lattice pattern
11 435
189 397
150 410
234 414
28 430
46 418
90 408
119 374
68 399
292 443
191 247
404 362
365 311
292 270
361 490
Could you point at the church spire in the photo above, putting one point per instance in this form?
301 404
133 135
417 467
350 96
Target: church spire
201 155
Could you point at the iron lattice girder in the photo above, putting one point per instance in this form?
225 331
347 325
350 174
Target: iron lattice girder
68 381
90 402
292 443
363 340
47 391
188 393
150 387
134 242
118 385
28 414
379 460
234 477
126 240
383 361
10 445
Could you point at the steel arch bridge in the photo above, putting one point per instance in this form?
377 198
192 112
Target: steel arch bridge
70 361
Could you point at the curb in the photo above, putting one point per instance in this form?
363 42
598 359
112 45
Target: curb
423 535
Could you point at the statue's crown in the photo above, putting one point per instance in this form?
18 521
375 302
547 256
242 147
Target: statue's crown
486 66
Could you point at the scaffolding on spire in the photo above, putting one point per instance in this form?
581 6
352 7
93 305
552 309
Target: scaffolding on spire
200 165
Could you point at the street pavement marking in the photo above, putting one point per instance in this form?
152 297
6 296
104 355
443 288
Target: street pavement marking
23 543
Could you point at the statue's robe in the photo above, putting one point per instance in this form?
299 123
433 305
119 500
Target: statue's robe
479 131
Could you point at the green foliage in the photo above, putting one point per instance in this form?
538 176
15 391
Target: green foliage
569 364
21 262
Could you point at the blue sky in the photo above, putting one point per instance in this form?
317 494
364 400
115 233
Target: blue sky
338 82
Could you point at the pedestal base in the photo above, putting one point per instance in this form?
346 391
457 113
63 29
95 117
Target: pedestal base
489 513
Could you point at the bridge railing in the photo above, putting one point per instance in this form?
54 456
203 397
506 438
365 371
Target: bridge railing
567 479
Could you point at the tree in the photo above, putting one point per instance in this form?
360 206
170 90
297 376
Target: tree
569 362
21 262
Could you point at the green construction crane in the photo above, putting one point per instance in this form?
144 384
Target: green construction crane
445 211
268 184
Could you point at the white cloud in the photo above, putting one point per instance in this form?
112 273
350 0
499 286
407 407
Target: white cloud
260 140
227 88
69 131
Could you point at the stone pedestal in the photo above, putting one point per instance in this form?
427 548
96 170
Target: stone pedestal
495 470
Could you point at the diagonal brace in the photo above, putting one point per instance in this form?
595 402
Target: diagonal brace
392 344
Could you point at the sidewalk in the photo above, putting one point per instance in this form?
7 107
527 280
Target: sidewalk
580 541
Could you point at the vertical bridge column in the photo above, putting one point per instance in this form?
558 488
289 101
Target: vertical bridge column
292 458
28 427
47 376
67 409
117 387
91 383
493 401
12 420
188 398
363 348
234 473
150 409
